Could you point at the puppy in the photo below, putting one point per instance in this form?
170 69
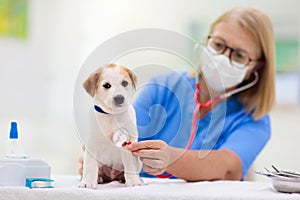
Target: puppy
111 88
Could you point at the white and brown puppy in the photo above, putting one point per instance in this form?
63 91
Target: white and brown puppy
111 88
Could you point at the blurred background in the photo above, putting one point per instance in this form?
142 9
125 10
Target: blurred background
43 44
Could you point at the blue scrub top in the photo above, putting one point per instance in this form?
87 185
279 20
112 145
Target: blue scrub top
164 110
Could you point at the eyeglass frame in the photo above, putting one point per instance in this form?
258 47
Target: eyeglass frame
230 53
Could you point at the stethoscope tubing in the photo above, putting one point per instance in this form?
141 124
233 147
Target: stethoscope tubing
206 105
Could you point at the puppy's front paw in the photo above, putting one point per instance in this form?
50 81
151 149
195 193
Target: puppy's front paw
88 184
132 181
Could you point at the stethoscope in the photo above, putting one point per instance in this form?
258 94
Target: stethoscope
206 105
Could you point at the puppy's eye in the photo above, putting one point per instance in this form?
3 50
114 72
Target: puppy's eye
124 83
106 86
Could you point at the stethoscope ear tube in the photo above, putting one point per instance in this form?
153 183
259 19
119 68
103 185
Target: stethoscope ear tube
245 87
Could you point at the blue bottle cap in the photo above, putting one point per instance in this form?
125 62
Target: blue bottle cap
13 131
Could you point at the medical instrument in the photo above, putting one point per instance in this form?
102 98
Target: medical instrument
121 138
283 173
206 105
210 102
283 180
14 148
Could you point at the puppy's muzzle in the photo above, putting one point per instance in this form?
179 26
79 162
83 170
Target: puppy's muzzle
119 99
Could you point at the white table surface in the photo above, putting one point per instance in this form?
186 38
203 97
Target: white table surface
65 187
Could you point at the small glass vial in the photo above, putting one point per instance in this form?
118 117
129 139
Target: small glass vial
15 148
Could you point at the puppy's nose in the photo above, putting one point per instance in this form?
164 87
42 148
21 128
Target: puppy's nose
119 99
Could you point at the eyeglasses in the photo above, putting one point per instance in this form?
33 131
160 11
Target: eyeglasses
238 58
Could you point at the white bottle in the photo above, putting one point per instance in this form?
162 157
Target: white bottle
15 148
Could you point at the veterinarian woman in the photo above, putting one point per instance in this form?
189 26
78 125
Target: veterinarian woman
230 132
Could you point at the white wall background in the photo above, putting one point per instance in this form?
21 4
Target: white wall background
37 75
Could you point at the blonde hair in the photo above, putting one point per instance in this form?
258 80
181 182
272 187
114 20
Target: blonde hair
259 99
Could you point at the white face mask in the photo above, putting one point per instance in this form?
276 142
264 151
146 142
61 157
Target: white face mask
219 73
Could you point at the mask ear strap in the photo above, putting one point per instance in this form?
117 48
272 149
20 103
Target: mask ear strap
245 87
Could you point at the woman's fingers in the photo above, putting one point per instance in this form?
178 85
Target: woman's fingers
154 163
152 154
148 144
152 171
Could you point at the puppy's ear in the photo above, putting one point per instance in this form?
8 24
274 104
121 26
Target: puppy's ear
90 85
133 78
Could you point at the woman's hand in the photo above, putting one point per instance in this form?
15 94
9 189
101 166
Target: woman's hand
156 155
